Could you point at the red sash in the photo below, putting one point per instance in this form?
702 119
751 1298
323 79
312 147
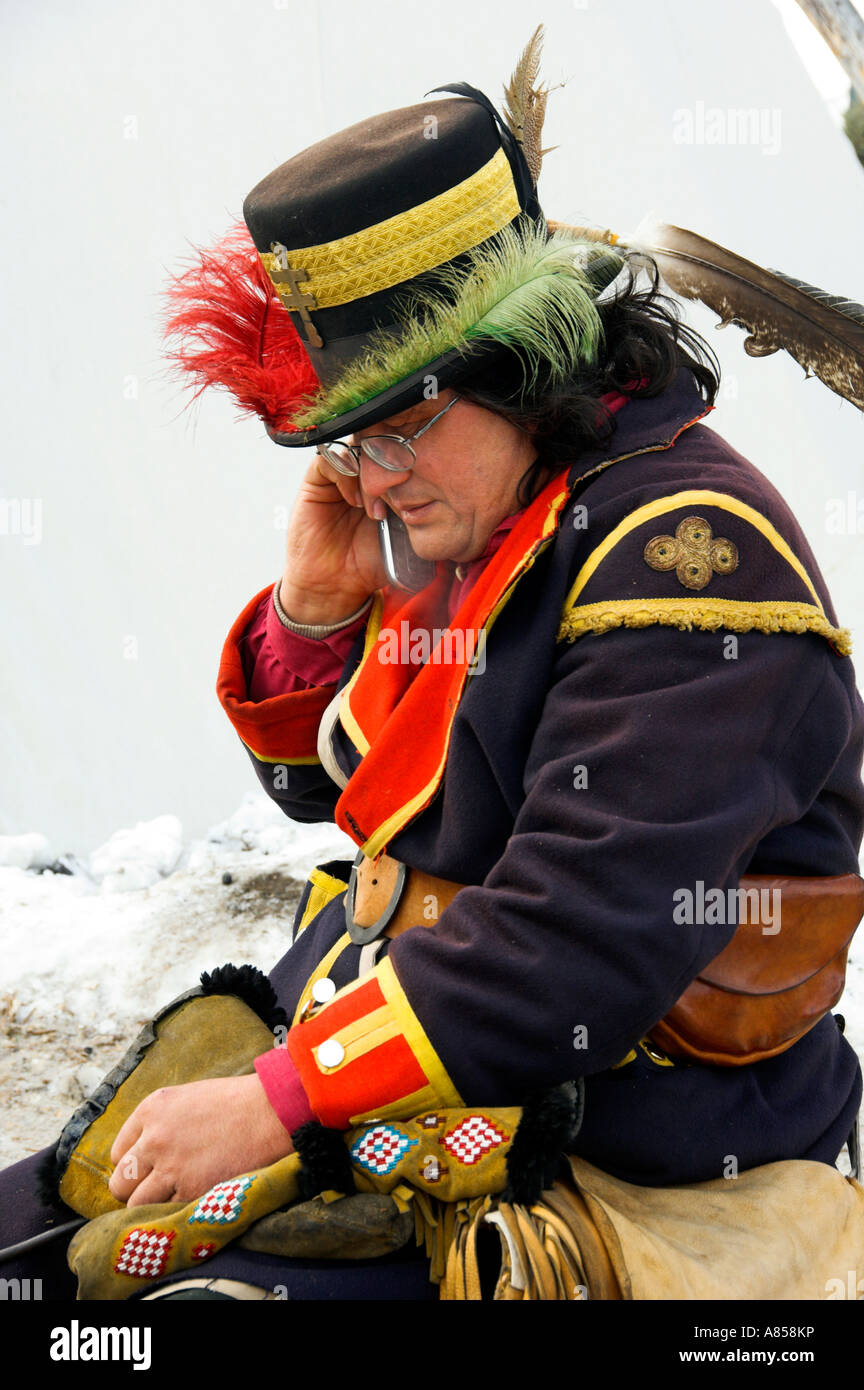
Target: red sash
398 710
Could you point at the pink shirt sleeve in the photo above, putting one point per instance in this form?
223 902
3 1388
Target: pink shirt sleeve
284 1089
277 661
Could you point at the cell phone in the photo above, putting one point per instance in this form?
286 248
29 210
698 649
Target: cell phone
404 568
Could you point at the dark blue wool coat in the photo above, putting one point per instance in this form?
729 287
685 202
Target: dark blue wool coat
638 730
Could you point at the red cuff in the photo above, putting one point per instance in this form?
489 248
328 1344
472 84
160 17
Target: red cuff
281 729
364 1053
284 1089
277 661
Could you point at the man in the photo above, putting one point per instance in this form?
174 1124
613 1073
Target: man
651 698
576 786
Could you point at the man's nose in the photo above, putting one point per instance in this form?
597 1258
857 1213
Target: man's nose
376 481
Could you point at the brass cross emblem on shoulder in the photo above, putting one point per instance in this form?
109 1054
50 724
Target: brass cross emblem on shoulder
283 273
692 552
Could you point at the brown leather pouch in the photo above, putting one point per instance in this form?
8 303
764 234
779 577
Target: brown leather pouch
768 987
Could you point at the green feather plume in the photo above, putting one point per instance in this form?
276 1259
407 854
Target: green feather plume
526 290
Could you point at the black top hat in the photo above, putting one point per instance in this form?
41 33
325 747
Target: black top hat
391 257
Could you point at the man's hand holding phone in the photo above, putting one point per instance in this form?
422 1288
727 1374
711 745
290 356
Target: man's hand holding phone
338 555
333 561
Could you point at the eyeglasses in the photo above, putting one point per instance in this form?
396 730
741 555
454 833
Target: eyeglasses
390 451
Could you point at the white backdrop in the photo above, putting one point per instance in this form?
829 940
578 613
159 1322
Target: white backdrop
131 534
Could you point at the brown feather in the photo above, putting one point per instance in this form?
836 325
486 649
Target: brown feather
776 311
823 332
525 104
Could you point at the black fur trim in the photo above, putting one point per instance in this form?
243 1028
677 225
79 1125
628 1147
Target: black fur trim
326 1164
252 986
550 1122
48 1177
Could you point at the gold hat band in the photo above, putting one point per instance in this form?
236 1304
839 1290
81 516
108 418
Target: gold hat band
403 246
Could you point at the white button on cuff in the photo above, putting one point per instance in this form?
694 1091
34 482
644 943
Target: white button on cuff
331 1053
322 990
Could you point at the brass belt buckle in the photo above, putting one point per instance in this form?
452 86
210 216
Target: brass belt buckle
362 935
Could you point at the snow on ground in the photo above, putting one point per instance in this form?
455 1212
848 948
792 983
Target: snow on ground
89 955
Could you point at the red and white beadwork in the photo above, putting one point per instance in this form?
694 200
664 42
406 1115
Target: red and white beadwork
473 1138
223 1203
144 1252
204 1250
380 1148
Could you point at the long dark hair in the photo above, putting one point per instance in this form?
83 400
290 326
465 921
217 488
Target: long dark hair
644 340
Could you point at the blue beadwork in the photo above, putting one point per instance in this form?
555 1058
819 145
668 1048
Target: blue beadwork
223 1203
380 1148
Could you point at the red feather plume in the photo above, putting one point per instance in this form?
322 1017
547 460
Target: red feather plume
232 331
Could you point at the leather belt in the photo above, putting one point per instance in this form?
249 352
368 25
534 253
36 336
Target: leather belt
385 898
754 1000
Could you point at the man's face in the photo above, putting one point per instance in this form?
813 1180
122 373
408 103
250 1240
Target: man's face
464 483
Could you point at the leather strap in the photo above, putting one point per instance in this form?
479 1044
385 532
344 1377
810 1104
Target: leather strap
778 976
424 897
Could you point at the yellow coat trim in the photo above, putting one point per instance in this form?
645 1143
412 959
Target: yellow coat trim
706 613
361 1037
321 971
324 887
658 1058
401 247
692 497
306 761
415 1036
346 718
413 1104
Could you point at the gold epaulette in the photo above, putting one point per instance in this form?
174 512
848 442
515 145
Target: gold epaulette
656 566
